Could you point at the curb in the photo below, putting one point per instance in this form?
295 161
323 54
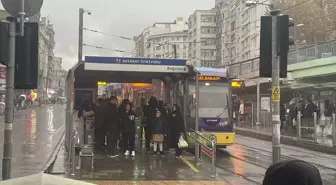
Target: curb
287 141
46 168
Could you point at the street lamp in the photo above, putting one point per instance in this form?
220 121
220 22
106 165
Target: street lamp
295 37
80 32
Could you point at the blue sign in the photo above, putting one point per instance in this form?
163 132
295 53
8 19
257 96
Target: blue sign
136 61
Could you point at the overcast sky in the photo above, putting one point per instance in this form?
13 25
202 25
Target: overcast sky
116 17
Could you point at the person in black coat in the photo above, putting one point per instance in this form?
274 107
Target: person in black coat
100 119
128 129
177 129
112 126
159 131
149 114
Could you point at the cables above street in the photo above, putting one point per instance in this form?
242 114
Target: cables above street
117 36
99 47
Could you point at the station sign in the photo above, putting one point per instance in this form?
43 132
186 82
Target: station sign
209 78
237 84
136 64
101 83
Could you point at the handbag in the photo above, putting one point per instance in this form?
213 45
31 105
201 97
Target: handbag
182 142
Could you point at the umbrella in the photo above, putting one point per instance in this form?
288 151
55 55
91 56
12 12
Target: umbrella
295 101
43 179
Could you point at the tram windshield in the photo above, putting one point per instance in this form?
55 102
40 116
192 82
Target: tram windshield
212 100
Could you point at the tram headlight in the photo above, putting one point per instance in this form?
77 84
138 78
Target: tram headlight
207 84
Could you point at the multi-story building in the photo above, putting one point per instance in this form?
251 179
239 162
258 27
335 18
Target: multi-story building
162 45
46 56
202 29
143 48
240 28
56 73
225 35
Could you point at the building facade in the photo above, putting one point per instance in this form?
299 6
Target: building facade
144 48
46 56
240 33
162 45
226 35
202 30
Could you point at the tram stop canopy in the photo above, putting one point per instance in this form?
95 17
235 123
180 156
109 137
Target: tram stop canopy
129 70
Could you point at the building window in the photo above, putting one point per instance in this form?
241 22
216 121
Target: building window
158 48
184 55
207 18
185 38
157 56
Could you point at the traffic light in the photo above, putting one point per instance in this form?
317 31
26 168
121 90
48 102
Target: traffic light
26 57
265 66
4 35
284 22
283 42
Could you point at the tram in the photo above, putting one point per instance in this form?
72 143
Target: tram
214 105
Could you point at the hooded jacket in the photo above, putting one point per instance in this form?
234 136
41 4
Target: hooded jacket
176 123
128 122
294 172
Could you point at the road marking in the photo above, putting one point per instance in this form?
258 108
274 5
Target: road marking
189 164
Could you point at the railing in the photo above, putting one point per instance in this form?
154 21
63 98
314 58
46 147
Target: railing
208 151
303 54
314 127
312 52
74 142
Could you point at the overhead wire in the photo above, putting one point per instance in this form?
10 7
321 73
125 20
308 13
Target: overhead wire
99 47
111 35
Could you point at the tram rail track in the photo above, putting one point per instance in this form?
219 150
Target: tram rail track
285 157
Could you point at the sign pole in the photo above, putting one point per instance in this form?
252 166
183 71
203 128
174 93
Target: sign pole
9 107
275 91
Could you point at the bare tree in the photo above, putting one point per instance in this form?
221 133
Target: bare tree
315 16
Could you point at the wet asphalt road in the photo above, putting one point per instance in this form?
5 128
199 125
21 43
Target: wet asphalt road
36 132
249 159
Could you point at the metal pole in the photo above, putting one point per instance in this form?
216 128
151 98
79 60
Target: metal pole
213 158
298 125
9 107
315 127
334 129
21 15
275 86
258 103
185 101
80 35
197 152
73 155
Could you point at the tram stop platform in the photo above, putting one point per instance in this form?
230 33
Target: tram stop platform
141 169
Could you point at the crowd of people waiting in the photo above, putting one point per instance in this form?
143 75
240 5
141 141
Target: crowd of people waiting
158 121
161 125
